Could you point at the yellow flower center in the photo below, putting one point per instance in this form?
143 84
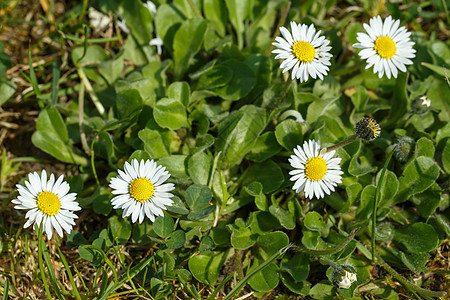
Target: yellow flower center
315 168
385 47
304 51
48 203
141 189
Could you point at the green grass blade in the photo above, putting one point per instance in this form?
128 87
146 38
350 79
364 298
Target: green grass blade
105 258
33 79
41 263
377 200
217 289
6 289
56 73
191 289
256 270
69 274
126 276
51 272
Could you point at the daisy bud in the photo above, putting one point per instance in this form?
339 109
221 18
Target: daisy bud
367 129
420 105
405 148
343 276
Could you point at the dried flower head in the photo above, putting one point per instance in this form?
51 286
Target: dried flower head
367 129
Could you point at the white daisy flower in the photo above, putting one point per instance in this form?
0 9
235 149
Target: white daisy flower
140 190
304 51
385 46
314 172
49 203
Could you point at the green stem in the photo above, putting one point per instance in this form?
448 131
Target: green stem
377 199
329 262
406 283
40 260
256 270
91 92
336 249
94 171
345 142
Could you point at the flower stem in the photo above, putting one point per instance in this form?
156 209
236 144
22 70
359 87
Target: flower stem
40 260
345 142
406 283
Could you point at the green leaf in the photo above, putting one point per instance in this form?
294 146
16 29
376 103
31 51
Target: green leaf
297 266
389 187
180 91
238 10
102 201
7 89
168 20
265 280
187 42
359 164
310 239
51 136
198 196
154 143
242 238
418 237
178 206
351 32
93 54
265 147
367 198
320 107
199 168
323 290
119 229
428 201
267 173
201 213
360 98
271 242
215 12
220 236
415 261
163 226
205 267
139 21
241 83
129 99
238 132
424 147
255 189
216 77
262 222
289 134
301 288
206 244
176 239
446 157
314 221
285 217
170 113
176 166
419 175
